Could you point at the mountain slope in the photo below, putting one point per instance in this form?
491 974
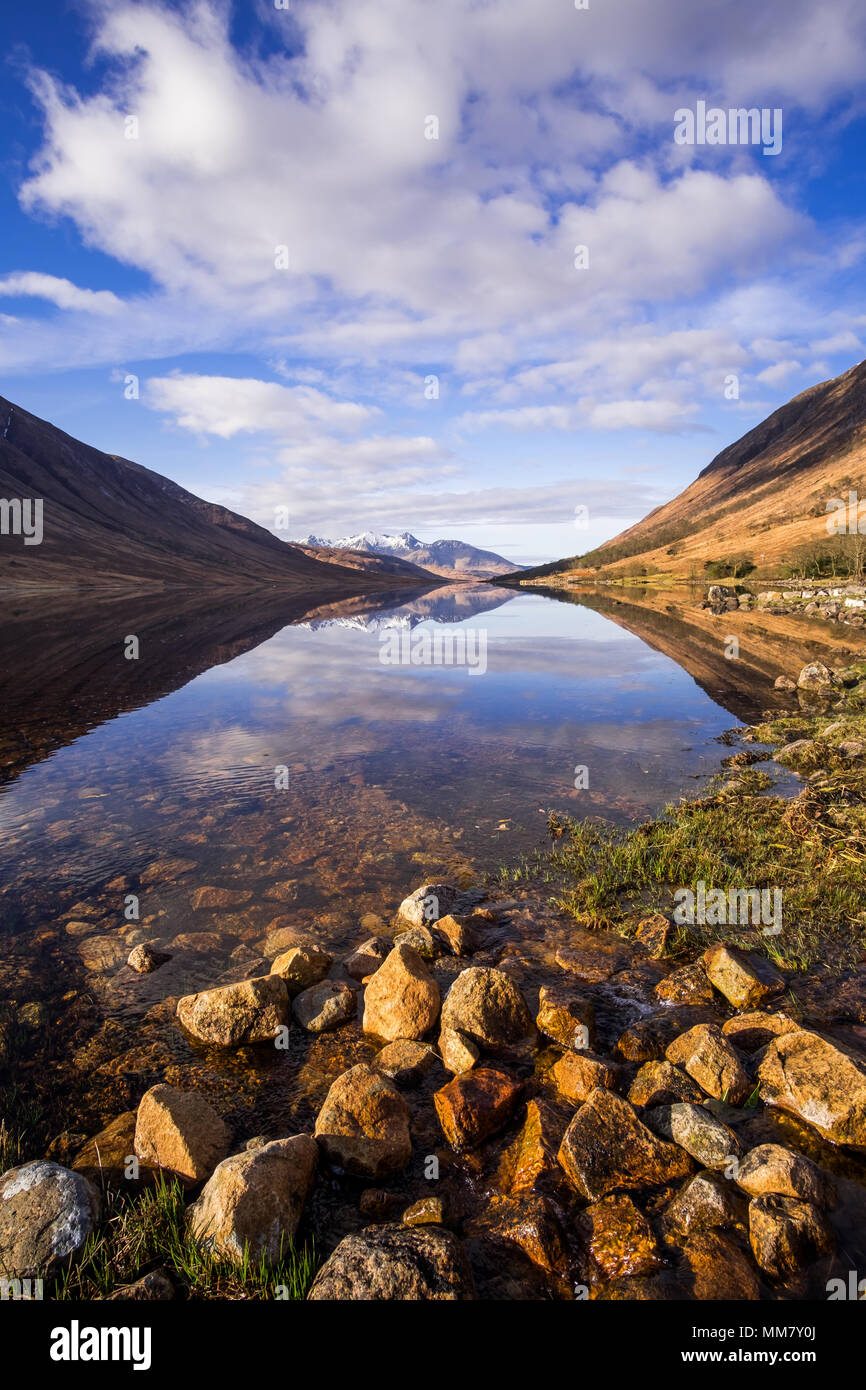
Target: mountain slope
448 558
763 499
108 522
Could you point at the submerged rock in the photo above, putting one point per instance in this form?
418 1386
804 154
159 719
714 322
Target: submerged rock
396 1263
363 1125
402 999
254 1200
619 1238
786 1234
179 1131
714 1268
252 1011
47 1214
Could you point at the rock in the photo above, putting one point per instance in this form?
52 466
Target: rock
474 1106
301 967
486 1006
661 1083
688 985
179 1131
47 1214
402 998
234 1015
406 1062
752 1031
427 904
366 958
105 1158
324 1007
530 1223
577 1074
852 748
155 1287
363 1125
653 933
819 1081
646 1039
378 1203
793 754
425 940
529 1164
606 1147
619 1238
220 897
708 1141
101 953
708 1200
430 1211
715 1269
253 1201
772 1168
815 676
710 1060
396 1263
565 1016
745 980
144 959
784 683
459 933
458 1053
786 1234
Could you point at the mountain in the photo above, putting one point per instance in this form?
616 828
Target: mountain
108 523
450 559
761 504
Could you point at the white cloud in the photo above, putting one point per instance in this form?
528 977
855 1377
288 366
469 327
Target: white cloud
60 292
226 406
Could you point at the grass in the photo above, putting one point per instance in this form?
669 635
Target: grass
737 836
150 1230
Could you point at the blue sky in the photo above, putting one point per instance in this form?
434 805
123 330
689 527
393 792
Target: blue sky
163 163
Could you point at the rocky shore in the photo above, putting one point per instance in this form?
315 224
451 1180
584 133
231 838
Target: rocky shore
567 1113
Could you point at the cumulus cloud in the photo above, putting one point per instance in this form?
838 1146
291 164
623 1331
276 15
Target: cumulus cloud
60 292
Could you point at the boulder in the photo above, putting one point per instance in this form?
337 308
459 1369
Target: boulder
707 1201
179 1131
715 1269
366 958
487 1006
708 1141
402 999
772 1168
606 1147
253 1201
661 1083
815 676
234 1015
406 1062
565 1016
711 1061
458 1053
363 1125
427 904
751 1031
474 1106
47 1214
105 1158
397 1263
745 980
301 967
820 1082
786 1234
577 1074
324 1007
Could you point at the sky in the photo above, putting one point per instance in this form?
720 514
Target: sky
436 265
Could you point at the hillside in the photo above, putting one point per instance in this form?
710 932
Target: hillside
448 558
761 504
111 523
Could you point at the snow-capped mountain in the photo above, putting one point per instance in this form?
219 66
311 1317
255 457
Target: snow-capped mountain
450 558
